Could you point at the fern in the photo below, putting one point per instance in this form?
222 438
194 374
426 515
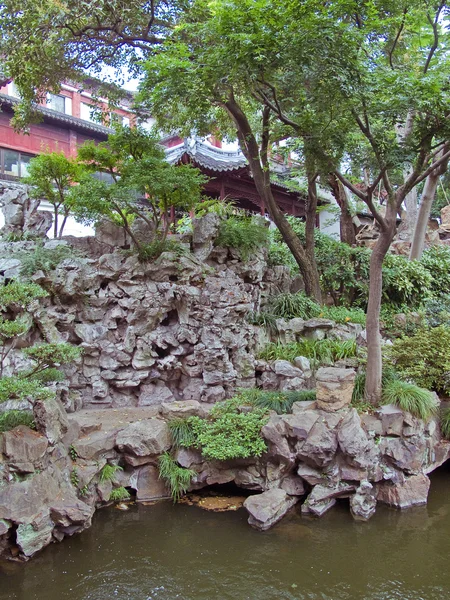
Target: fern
108 473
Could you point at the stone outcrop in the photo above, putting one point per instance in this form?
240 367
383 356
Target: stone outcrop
268 508
334 388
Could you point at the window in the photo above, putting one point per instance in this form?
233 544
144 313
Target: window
89 112
61 104
14 164
115 119
12 90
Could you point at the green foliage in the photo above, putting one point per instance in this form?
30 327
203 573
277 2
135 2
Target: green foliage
223 208
228 433
17 388
74 477
48 355
244 234
280 402
12 418
289 306
319 351
182 433
119 494
14 328
44 259
436 260
445 423
424 358
405 281
108 473
409 397
389 374
178 479
73 452
19 294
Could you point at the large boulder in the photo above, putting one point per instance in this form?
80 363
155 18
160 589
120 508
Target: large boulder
334 388
413 491
268 508
24 448
51 419
148 438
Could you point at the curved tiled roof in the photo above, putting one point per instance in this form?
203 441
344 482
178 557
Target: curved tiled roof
206 156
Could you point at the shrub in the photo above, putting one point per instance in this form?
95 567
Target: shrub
12 418
44 259
119 494
108 473
445 423
245 234
405 281
424 358
289 306
178 479
228 433
19 294
319 351
411 398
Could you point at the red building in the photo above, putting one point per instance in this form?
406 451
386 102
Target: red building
72 117
68 120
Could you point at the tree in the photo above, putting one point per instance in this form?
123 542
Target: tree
142 183
44 43
52 177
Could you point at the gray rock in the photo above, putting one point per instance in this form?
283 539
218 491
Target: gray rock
24 447
51 419
33 537
181 409
268 508
351 436
150 437
292 384
149 486
286 369
303 364
154 394
391 419
323 497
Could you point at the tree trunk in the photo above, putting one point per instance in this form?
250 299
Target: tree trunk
372 391
426 201
347 229
261 178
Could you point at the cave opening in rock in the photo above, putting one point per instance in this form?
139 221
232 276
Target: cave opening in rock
171 318
161 352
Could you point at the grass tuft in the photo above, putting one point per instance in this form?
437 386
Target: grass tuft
177 479
409 397
119 494
108 472
318 351
182 433
445 423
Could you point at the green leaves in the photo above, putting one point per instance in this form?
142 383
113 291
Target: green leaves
20 295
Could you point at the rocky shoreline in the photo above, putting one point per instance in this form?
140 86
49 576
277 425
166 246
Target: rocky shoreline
52 481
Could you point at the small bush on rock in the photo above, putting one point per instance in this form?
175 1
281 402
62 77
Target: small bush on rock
343 315
289 306
245 234
228 433
182 433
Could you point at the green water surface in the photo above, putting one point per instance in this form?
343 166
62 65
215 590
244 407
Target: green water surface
164 552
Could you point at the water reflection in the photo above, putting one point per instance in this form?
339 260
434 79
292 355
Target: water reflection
164 552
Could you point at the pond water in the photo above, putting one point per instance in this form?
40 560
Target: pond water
164 552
